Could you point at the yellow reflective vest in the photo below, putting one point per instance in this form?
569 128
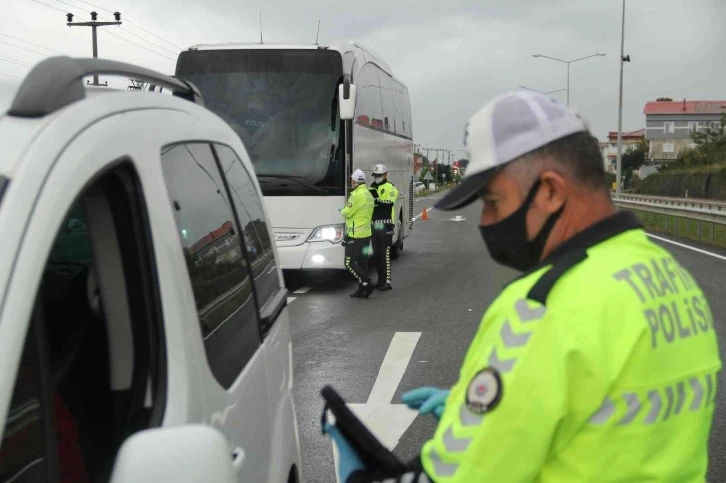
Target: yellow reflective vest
358 212
385 203
599 365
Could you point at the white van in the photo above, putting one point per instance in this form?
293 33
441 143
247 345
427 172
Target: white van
144 334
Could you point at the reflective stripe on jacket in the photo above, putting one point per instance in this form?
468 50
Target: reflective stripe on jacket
358 212
385 202
600 365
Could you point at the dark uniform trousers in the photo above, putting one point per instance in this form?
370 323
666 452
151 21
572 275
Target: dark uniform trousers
356 257
382 241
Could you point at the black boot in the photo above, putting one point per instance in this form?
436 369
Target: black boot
384 287
368 289
359 293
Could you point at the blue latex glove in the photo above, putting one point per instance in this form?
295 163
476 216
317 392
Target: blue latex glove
427 400
348 459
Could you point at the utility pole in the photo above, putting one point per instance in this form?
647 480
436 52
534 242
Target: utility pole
94 24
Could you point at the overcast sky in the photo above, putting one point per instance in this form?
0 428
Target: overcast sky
454 56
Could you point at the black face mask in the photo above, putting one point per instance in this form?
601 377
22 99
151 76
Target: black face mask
507 240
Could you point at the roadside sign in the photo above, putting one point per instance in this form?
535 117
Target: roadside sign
428 176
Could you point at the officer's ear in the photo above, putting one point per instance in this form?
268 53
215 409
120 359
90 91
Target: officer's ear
553 191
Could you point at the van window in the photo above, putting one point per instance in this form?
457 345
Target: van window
257 239
23 449
77 369
369 110
212 246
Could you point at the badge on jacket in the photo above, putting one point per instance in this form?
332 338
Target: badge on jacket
349 204
484 391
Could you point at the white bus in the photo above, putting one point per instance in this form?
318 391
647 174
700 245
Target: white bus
283 102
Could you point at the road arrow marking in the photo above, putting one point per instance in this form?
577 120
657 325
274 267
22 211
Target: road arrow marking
387 421
458 218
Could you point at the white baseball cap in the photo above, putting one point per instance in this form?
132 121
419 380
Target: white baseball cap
358 176
505 129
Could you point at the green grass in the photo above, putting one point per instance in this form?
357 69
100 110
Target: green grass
711 233
425 192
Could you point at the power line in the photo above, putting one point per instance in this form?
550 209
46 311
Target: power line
24 64
138 45
122 38
126 19
155 45
150 33
8 75
71 5
31 43
95 6
22 48
49 6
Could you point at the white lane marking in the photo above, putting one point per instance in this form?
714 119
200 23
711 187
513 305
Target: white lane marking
387 421
458 218
687 246
393 366
291 299
419 216
303 290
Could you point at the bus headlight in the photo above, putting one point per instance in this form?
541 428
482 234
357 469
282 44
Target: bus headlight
331 233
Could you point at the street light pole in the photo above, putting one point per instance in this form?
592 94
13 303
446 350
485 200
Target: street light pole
568 62
618 175
568 84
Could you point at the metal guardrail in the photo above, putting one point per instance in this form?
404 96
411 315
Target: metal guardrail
696 209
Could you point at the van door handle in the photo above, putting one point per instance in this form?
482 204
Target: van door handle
238 458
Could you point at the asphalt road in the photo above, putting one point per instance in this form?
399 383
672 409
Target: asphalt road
443 282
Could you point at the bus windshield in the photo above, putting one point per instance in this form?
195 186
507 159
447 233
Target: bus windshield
283 105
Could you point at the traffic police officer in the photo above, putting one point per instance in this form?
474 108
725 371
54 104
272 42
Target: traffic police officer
358 212
600 361
384 218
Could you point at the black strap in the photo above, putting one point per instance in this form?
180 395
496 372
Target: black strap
543 286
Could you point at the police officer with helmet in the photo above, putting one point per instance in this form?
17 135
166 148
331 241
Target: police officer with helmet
358 212
385 195
599 361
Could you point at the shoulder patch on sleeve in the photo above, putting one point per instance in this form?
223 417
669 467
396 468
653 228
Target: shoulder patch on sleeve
484 391
393 194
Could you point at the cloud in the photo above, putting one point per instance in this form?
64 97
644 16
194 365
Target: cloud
454 56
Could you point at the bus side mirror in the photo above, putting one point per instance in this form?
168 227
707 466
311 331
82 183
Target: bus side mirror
346 99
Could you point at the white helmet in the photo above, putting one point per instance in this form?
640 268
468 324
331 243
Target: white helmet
379 170
358 176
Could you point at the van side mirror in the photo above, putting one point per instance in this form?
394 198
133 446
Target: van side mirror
182 454
346 99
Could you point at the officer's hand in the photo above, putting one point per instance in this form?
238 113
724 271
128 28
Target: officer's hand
348 459
427 400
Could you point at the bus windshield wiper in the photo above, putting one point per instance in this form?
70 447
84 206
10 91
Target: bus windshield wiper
292 178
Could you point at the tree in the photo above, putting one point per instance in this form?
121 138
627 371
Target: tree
709 149
441 171
633 159
664 99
